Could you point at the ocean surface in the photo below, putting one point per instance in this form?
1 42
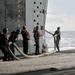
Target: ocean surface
67 39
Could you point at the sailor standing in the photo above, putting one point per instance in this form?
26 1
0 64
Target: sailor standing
57 38
26 37
4 44
36 38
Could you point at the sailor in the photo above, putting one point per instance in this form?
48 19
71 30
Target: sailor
12 38
57 38
34 31
4 44
36 38
26 37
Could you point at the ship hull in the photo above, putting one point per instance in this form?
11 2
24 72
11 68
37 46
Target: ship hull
30 13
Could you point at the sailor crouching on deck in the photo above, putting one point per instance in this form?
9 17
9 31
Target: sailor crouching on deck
12 38
4 44
36 38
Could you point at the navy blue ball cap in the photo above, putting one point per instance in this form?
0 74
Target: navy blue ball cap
58 27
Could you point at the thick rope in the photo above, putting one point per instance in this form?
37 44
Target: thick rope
16 58
31 56
49 32
45 47
53 37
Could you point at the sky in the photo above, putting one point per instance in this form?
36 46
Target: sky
60 13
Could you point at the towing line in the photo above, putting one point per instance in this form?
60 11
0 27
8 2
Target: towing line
32 56
16 58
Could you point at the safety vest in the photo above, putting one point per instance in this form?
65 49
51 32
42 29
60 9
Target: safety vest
28 35
36 34
25 34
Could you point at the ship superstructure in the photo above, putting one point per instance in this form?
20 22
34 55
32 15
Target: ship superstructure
30 13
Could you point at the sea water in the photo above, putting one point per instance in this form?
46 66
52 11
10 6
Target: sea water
67 39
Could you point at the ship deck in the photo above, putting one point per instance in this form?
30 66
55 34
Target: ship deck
58 61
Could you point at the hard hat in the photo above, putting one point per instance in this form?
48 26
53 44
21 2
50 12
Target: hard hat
5 30
24 27
17 31
37 27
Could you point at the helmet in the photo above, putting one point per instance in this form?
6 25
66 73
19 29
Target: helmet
24 27
5 30
17 31
37 27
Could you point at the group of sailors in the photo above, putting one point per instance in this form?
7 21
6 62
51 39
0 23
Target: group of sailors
4 41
